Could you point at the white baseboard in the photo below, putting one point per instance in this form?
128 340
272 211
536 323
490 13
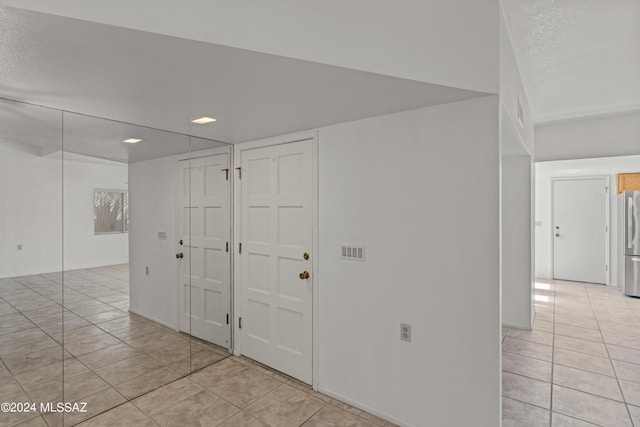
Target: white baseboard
172 327
364 407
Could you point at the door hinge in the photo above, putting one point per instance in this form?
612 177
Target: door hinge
606 268
239 322
227 247
239 172
227 318
226 173
240 247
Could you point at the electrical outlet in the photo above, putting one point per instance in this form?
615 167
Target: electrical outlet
405 332
19 247
147 270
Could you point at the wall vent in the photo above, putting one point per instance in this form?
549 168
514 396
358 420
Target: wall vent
351 252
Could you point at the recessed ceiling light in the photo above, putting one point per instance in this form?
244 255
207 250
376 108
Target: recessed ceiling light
132 140
203 120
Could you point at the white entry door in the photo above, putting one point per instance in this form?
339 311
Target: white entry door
204 218
579 230
276 258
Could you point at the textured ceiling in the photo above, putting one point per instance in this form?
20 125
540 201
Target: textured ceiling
577 57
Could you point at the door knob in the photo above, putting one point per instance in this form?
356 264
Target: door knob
304 275
179 255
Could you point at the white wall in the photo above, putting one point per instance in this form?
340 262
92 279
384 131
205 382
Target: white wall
617 135
420 191
152 201
517 195
584 167
31 213
431 41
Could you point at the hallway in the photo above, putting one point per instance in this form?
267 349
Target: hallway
580 366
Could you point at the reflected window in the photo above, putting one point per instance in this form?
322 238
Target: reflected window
111 211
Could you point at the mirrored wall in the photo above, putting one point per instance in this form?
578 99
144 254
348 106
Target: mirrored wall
115 266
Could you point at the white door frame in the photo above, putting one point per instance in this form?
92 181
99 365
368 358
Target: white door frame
237 227
607 220
177 280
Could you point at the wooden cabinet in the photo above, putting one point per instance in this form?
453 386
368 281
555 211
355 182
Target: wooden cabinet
628 182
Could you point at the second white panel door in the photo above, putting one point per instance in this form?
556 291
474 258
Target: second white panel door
276 258
206 267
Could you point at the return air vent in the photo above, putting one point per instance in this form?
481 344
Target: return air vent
351 252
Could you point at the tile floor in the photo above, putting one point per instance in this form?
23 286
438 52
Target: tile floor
131 371
580 365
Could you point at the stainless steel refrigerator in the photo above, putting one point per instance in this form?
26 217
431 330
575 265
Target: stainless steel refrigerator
631 243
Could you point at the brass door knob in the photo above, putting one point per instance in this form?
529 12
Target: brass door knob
306 256
179 255
304 275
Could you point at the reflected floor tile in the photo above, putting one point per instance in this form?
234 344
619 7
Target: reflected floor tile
520 414
128 369
590 408
105 316
577 332
96 404
624 354
285 406
50 374
631 392
108 355
635 414
527 348
18 364
627 371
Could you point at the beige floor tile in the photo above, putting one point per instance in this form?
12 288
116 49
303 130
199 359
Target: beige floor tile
624 340
520 414
631 392
20 363
13 418
243 419
588 382
125 370
33 422
147 382
624 354
22 336
123 415
526 390
543 325
332 416
245 387
166 396
96 404
88 345
587 362
635 414
627 371
527 348
539 337
577 332
201 409
526 366
580 345
212 375
561 420
285 406
105 316
8 388
590 408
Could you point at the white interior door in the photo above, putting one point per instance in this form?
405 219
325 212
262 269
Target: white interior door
579 230
205 268
276 238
